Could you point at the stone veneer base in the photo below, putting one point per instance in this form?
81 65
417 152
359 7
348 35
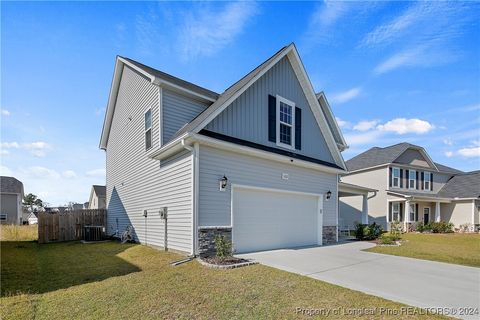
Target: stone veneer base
206 239
329 234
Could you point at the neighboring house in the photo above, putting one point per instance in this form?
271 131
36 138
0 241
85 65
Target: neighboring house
75 206
11 195
32 218
97 197
85 205
258 163
411 188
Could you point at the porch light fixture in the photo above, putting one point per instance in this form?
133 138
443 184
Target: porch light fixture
328 195
223 183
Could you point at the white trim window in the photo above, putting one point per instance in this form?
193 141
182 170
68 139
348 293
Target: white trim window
426 181
396 211
396 177
411 211
148 129
285 123
3 217
412 179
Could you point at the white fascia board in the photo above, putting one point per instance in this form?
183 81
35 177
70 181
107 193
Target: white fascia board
212 116
343 144
307 87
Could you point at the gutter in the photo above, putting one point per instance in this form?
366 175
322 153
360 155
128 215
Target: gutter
195 174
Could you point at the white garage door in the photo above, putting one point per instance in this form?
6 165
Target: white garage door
264 220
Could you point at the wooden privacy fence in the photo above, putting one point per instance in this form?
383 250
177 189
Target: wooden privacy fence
54 227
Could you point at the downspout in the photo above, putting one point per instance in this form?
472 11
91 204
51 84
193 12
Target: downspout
194 151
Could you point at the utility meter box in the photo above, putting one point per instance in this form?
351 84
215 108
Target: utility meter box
163 213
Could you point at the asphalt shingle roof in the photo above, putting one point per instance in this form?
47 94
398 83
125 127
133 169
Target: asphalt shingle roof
10 185
466 185
377 156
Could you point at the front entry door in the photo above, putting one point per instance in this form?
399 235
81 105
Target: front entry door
426 215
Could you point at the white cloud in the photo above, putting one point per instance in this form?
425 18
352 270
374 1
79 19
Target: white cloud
469 152
342 123
362 138
403 126
38 172
9 145
365 125
448 141
342 97
421 35
448 154
206 32
5 112
69 174
38 149
101 173
4 152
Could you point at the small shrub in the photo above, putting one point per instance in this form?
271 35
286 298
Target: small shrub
466 227
441 227
387 239
367 232
223 247
420 226
396 229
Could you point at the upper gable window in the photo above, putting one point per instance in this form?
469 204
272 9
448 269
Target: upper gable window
285 123
412 179
148 129
396 177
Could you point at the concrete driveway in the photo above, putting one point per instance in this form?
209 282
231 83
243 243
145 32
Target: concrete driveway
415 282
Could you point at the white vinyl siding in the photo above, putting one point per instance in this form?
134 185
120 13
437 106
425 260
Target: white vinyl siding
136 182
215 206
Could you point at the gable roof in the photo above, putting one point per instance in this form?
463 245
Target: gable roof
156 77
332 122
100 191
466 185
231 93
379 156
10 185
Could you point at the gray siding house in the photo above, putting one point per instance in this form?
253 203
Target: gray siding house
259 163
11 194
411 188
97 198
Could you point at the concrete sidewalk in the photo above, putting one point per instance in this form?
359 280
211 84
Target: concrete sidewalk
415 282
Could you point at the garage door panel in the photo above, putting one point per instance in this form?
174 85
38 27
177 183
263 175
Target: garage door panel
265 220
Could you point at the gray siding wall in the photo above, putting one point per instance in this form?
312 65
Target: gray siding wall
377 206
177 111
136 182
215 205
414 158
247 117
9 204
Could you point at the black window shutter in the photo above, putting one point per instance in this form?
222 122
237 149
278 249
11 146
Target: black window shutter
298 128
416 212
401 178
272 118
390 177
401 211
422 179
431 181
417 179
407 179
390 214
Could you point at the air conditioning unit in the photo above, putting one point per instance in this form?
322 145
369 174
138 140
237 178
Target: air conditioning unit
94 233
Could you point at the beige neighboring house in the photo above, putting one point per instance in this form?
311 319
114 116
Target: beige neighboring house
411 188
11 193
97 197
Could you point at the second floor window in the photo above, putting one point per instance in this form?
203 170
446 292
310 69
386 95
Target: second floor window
285 122
412 179
148 129
396 177
426 181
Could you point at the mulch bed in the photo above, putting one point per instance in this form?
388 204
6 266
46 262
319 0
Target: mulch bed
225 263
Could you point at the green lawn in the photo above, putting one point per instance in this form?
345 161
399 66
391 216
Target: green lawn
455 248
113 281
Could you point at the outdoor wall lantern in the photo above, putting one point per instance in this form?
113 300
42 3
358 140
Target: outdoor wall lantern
223 183
328 195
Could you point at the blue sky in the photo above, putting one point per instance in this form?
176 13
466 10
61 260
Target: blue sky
392 71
